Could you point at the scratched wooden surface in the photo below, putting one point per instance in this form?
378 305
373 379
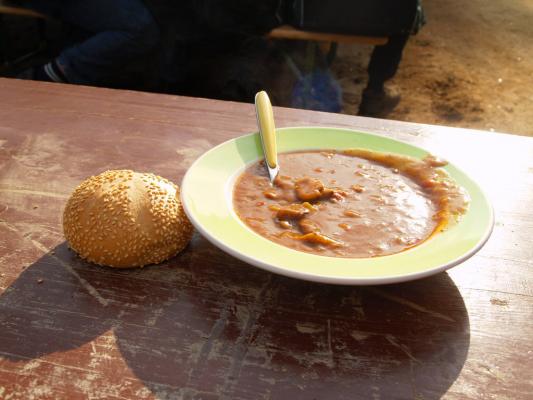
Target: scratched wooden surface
207 326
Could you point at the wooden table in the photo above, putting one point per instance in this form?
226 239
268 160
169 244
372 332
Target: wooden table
207 326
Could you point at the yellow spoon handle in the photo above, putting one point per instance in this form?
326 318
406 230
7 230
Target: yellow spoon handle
267 130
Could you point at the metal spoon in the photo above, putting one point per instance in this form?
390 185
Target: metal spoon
267 132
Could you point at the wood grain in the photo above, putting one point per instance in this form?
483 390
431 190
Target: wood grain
207 326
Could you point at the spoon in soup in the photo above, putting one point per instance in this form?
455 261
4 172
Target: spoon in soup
267 132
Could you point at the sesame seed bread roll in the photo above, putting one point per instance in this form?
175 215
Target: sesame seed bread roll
126 219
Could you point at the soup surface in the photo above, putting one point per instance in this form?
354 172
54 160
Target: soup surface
355 203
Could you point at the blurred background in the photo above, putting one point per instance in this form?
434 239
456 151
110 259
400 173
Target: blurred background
465 64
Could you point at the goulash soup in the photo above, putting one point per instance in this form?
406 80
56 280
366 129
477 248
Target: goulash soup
355 203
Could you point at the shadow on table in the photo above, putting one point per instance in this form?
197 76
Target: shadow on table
206 325
47 309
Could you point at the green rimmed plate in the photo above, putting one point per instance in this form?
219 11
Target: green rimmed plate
207 189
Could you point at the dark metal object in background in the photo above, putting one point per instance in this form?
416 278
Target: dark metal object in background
359 17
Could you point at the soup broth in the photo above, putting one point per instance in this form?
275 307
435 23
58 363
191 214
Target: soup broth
355 203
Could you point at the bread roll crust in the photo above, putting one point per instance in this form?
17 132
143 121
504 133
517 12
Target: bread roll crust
125 219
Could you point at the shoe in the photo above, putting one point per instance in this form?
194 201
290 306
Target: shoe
378 103
34 74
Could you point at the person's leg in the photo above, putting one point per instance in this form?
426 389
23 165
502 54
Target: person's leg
123 31
385 60
384 63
